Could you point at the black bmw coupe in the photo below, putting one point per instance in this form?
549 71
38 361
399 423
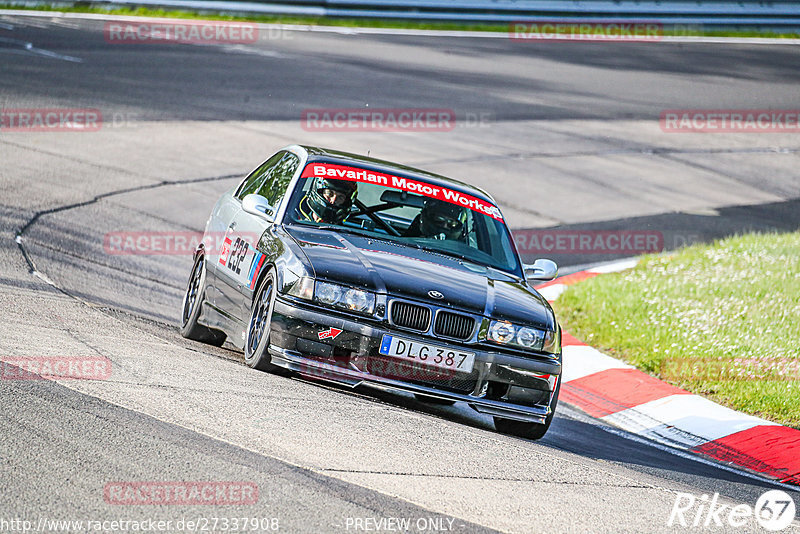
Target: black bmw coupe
370 273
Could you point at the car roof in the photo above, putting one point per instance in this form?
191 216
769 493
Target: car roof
319 154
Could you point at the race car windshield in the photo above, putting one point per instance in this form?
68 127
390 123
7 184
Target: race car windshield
430 217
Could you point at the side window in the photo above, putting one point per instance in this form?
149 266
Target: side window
493 246
256 179
274 188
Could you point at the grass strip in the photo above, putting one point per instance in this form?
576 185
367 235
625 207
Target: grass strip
88 7
721 320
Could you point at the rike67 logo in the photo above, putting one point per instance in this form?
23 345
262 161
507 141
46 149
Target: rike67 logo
774 510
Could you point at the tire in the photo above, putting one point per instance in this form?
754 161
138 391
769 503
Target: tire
193 303
433 400
256 340
527 430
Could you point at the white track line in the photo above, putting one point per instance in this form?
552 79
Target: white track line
583 360
615 267
25 47
551 293
691 414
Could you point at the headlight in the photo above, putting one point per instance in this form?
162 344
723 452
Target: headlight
527 337
350 299
356 300
501 332
523 337
328 293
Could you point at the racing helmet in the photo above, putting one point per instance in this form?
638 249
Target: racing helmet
439 217
330 210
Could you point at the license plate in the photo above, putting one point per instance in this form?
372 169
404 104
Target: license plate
426 354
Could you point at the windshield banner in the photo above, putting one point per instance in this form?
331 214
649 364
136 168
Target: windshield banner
354 174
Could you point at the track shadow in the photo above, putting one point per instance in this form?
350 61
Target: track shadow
591 440
606 444
586 243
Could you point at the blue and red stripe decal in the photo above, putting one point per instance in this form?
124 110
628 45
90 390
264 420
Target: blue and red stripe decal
255 268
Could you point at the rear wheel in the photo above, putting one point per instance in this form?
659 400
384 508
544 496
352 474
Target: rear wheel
256 345
524 429
192 304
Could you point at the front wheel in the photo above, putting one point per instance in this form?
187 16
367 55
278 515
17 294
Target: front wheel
524 429
256 345
192 303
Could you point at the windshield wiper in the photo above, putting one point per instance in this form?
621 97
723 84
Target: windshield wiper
383 238
456 256
453 255
345 230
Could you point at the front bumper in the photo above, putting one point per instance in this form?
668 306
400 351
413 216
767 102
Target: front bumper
502 385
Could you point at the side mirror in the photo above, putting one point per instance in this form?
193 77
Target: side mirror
258 205
541 270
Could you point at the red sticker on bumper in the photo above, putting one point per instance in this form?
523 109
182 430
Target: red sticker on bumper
330 333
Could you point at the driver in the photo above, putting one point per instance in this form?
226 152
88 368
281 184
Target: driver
439 220
328 201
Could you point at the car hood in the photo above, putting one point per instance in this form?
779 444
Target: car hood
398 270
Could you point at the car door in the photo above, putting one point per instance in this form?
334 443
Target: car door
217 227
240 262
218 233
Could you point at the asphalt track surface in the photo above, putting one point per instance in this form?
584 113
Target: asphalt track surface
567 137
